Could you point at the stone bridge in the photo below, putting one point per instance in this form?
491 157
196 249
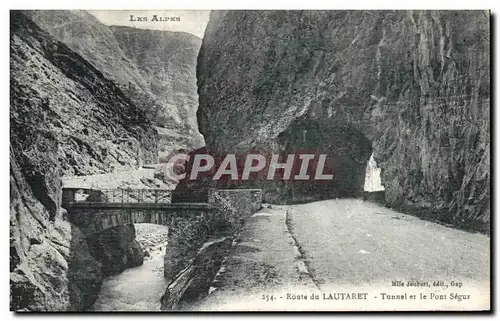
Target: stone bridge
95 210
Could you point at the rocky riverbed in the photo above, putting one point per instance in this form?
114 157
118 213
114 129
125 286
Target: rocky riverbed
139 288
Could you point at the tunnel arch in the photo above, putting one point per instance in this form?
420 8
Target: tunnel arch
348 151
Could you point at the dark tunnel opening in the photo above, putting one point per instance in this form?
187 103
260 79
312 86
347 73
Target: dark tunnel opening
347 152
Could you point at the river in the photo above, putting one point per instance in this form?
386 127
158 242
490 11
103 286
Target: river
139 288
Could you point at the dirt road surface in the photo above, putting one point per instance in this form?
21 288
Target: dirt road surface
356 242
285 254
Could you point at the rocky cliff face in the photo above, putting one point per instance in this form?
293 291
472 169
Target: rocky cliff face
156 69
414 86
117 249
51 268
66 118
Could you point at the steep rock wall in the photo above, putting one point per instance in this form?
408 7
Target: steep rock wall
65 118
51 268
116 249
416 84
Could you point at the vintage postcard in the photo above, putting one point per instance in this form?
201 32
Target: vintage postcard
250 160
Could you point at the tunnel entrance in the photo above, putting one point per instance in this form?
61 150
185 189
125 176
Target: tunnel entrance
373 190
347 150
343 148
373 182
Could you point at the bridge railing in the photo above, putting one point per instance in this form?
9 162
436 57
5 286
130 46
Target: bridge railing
118 196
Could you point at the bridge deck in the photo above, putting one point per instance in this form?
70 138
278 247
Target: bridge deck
138 205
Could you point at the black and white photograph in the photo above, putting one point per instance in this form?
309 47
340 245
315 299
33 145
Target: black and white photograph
250 160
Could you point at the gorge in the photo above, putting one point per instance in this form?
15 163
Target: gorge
66 119
155 69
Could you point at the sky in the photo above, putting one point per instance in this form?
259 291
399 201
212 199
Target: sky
192 21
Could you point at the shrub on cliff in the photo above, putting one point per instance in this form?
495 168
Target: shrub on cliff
189 234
